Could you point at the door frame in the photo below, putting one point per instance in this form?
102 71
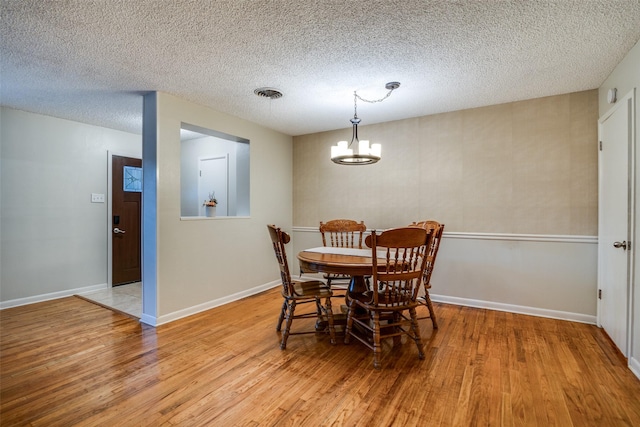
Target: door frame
110 154
628 101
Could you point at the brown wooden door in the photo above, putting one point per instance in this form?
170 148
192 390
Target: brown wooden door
126 219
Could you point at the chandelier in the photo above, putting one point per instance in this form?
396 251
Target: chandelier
359 152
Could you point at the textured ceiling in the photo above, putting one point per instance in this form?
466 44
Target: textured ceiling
90 61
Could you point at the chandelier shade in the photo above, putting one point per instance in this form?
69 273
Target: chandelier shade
355 152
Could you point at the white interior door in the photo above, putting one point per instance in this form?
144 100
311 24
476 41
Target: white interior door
214 177
614 224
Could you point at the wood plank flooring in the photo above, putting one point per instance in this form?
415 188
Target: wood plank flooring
69 362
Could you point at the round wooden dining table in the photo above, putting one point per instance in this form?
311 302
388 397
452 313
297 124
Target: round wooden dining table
356 263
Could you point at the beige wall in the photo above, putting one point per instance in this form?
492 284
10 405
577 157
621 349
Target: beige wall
54 240
625 78
203 262
526 167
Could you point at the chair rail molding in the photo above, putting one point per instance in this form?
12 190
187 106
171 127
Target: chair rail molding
493 236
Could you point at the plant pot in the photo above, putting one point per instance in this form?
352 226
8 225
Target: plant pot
210 211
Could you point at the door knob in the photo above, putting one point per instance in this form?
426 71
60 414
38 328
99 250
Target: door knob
622 245
118 231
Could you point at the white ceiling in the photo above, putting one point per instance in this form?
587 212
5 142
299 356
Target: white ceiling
90 60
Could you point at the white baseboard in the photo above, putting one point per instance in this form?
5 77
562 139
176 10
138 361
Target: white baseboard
53 295
207 305
519 309
155 321
634 365
532 311
149 320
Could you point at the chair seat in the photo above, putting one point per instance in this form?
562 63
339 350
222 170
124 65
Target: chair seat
310 289
365 300
334 277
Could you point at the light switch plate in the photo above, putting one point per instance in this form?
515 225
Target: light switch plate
97 198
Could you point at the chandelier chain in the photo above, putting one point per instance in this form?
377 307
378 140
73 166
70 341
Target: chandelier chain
370 101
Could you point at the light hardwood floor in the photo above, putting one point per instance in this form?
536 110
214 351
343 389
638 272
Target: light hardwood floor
69 362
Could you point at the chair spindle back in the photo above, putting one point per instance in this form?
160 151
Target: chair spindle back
279 239
398 274
344 233
437 229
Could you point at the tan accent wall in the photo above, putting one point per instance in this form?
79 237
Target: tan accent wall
527 167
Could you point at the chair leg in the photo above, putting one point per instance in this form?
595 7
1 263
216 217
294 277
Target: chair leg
349 326
432 312
397 339
416 332
377 349
321 325
287 327
332 329
281 318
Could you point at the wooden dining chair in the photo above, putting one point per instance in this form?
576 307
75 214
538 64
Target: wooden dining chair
299 292
396 281
343 233
437 229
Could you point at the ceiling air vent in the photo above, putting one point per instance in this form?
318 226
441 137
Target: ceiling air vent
268 92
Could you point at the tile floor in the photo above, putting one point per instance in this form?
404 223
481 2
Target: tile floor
125 298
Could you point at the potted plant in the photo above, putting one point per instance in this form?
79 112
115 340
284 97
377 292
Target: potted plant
210 205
